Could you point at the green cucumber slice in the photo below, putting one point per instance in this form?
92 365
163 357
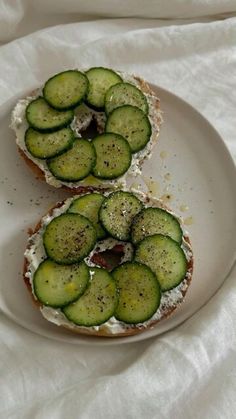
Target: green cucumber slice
113 156
66 90
165 258
58 285
69 238
139 292
97 304
100 80
125 94
45 145
89 206
42 117
155 221
75 164
117 213
132 123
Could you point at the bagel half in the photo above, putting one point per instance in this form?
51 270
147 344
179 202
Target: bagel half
81 122
170 300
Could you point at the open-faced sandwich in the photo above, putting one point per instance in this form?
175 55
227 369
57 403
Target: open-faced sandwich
87 128
108 264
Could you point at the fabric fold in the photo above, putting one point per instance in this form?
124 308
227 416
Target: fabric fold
190 371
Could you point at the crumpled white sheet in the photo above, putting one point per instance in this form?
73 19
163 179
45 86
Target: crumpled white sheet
20 17
189 372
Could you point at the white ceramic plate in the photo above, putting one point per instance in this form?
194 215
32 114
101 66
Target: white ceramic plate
190 164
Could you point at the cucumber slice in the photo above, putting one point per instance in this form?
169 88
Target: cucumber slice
155 221
42 117
165 258
97 304
74 164
66 90
139 292
58 285
89 206
125 94
46 145
117 213
132 123
100 80
69 238
113 156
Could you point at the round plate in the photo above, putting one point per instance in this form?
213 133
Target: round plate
190 168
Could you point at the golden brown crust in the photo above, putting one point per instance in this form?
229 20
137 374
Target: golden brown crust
103 332
37 171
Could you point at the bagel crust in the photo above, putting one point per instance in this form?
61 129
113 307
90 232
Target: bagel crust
39 166
170 300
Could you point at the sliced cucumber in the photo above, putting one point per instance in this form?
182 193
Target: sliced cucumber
113 156
132 123
58 285
66 90
155 221
69 238
74 164
165 258
46 145
42 117
125 94
117 213
139 292
89 206
100 80
97 304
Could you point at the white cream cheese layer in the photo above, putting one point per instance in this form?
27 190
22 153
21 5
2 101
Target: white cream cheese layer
35 254
82 119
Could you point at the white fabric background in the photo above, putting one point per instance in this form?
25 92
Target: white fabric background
189 372
19 17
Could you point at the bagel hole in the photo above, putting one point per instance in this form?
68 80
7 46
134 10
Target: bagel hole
91 131
109 259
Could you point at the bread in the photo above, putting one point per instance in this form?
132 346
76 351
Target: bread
171 300
39 166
